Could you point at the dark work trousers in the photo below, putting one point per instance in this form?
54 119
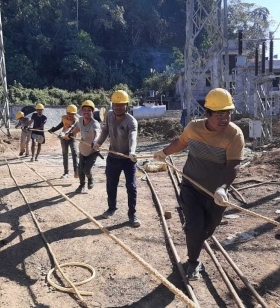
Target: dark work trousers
202 216
85 166
65 144
114 167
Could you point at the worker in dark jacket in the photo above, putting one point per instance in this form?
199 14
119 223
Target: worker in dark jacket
38 136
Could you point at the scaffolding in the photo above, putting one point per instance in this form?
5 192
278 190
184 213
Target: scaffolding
213 21
4 104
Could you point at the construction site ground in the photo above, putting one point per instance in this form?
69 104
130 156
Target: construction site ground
120 280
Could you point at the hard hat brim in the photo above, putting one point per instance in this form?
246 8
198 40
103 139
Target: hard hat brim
122 102
218 109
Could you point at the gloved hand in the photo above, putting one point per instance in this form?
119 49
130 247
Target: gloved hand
159 155
220 196
26 128
51 131
61 135
68 136
133 157
95 146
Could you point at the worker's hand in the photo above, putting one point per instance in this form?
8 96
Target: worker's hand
26 128
68 136
133 157
95 146
61 135
51 131
159 155
220 196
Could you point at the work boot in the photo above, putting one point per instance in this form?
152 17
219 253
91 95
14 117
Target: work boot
36 158
90 183
80 189
108 213
134 221
194 270
20 153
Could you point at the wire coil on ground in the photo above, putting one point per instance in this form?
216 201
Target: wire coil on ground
69 289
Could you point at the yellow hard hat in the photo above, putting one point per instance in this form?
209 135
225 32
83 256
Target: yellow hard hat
218 99
19 115
39 107
120 97
88 103
71 109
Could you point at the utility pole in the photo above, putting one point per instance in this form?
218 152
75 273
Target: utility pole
212 19
5 112
77 17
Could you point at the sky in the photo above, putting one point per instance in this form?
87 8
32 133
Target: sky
274 12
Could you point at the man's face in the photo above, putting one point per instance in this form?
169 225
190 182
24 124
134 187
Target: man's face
87 112
39 112
70 116
219 120
119 109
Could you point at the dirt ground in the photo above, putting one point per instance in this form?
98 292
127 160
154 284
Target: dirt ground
35 188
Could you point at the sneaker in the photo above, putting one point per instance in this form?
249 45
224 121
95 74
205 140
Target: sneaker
90 183
20 153
194 270
76 175
65 176
80 189
134 221
108 213
32 159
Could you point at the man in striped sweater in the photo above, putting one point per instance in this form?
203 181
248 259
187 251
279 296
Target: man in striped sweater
215 146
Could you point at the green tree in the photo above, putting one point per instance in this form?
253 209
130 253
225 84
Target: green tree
252 18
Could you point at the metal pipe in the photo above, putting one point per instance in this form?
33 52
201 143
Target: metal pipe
271 56
238 193
170 241
224 276
240 274
240 42
257 61
230 261
263 57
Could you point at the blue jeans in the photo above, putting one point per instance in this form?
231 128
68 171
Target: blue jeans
202 216
74 150
114 167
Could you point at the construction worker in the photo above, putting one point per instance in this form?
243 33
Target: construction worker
38 120
25 133
215 146
90 130
67 123
122 129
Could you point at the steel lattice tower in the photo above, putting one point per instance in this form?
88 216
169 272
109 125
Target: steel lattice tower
214 62
5 114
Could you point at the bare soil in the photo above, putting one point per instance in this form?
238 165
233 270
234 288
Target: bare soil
121 281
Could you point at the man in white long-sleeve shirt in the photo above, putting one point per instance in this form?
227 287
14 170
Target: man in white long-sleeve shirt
122 129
